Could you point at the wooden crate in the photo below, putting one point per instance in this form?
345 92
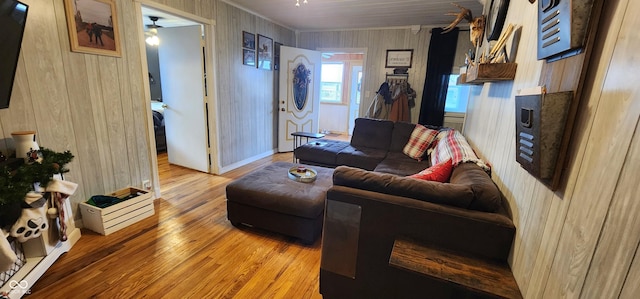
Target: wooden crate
118 216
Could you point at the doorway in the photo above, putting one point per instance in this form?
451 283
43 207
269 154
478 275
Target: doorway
340 97
186 42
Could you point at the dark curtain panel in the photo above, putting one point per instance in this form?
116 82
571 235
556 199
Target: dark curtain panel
442 50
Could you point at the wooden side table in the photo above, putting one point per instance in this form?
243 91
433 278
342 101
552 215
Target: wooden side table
297 140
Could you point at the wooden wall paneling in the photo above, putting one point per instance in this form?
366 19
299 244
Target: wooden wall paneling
603 50
620 235
631 287
604 159
50 104
19 116
263 103
490 124
45 71
224 49
44 66
99 117
80 103
113 105
130 84
227 19
246 105
562 198
139 110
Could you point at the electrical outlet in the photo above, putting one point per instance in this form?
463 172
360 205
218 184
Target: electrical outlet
146 184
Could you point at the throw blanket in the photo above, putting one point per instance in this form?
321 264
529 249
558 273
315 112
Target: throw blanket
451 144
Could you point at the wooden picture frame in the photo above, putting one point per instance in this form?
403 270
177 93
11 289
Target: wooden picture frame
399 58
248 40
93 27
495 19
265 52
249 57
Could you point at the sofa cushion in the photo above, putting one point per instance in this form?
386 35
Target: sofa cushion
420 140
321 151
361 157
435 192
437 173
400 136
400 164
372 133
486 195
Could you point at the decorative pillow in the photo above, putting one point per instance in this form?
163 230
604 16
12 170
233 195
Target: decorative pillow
420 140
437 173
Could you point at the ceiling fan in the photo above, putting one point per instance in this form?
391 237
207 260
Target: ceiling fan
154 25
152 33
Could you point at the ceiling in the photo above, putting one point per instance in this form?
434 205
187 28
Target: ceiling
339 14
352 14
164 19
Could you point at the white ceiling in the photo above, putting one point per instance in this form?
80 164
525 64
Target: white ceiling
351 14
164 19
340 14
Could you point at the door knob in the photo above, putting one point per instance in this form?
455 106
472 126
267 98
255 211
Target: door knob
164 106
282 102
282 109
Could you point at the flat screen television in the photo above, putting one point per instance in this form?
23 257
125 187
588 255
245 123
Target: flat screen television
13 16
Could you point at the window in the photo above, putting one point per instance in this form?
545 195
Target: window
457 96
331 83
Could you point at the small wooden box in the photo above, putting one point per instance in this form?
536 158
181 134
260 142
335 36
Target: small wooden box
118 216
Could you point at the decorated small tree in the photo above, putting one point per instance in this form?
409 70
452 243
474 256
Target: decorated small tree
16 183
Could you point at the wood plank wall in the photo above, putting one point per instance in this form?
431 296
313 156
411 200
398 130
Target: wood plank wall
94 105
582 240
247 96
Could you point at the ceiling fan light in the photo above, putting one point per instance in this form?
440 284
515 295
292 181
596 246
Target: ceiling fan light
297 3
305 2
153 40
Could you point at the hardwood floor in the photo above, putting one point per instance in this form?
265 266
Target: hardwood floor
188 249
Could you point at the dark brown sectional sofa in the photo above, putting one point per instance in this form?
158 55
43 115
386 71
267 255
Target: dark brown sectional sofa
375 145
372 204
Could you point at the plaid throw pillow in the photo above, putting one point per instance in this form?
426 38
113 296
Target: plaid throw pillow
420 140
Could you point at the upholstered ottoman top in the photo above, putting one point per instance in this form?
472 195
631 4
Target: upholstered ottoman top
270 188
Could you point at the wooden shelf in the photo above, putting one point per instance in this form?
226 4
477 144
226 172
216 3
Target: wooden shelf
480 277
490 72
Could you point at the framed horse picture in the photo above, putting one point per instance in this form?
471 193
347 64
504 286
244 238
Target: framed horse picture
93 27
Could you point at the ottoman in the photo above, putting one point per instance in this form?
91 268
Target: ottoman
267 198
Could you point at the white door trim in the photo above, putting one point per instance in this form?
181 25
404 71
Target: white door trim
209 26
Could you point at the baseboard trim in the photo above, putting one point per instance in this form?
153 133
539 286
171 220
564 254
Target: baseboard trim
244 162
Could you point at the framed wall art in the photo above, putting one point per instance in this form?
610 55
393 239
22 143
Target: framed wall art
248 57
248 40
265 52
399 58
93 27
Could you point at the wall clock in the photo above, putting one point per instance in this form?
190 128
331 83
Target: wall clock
495 18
